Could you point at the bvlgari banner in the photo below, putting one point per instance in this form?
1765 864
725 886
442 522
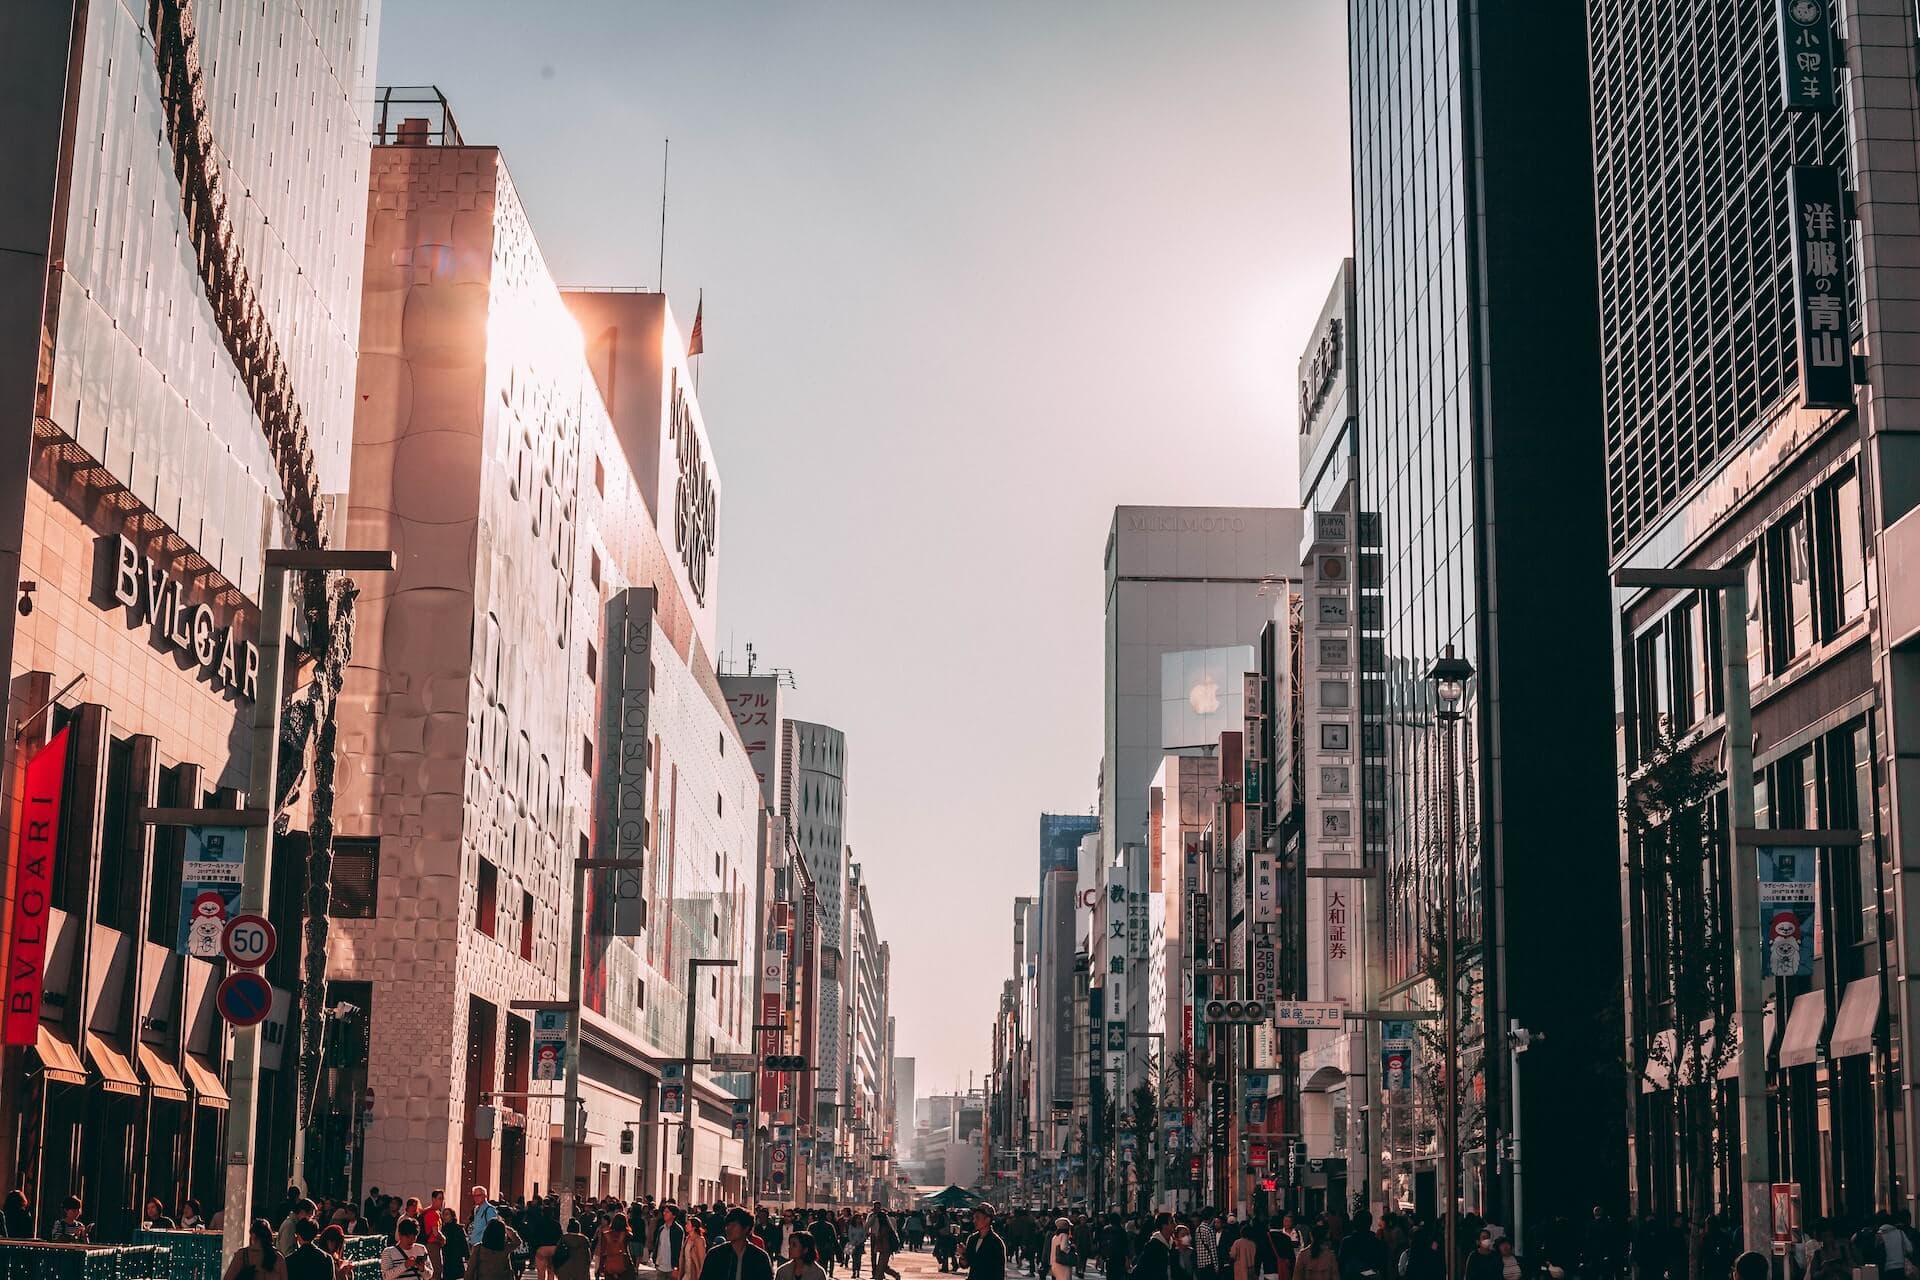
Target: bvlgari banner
39 837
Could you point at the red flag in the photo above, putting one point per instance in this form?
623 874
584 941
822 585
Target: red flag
696 345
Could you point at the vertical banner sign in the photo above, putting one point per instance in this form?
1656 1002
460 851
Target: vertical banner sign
33 888
626 685
673 1088
1786 909
1266 969
1820 287
210 870
1396 1055
742 1118
549 1044
1806 55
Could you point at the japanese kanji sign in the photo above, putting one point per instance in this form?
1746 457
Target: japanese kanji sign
1806 55
1820 287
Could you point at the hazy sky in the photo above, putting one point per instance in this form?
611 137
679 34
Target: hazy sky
977 272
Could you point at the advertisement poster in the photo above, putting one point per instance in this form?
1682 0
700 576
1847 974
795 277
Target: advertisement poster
210 870
549 1044
1786 909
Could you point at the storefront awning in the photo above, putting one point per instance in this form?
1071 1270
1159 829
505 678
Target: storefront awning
1730 1069
59 1060
116 1073
1801 1045
161 1077
206 1083
1859 1015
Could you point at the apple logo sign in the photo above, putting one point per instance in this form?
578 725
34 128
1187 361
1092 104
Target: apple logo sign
1205 696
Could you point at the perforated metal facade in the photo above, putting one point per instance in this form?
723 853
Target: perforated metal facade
1692 146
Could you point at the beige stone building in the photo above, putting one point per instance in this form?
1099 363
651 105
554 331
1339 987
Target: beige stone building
552 498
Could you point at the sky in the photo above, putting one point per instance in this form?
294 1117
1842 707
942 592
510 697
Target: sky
975 273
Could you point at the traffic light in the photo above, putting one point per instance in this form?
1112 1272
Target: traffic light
784 1062
1238 1011
626 1142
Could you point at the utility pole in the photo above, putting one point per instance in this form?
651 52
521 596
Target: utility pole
570 1126
694 966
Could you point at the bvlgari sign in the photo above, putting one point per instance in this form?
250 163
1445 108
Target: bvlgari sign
192 629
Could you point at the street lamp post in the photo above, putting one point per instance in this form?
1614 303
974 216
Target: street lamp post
694 966
1450 675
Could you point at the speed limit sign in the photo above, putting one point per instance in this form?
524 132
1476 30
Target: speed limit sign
248 942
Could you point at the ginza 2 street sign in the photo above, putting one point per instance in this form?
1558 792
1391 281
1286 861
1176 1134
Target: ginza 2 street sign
1310 1017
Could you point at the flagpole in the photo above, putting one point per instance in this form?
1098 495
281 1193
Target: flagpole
666 152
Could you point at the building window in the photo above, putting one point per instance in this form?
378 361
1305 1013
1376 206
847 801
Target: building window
1842 555
586 755
526 926
1790 582
640 993
486 906
354 891
720 804
593 664
600 477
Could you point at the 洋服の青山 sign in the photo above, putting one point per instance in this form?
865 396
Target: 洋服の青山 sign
158 599
39 836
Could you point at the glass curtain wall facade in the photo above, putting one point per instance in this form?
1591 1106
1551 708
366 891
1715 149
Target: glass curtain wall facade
1480 527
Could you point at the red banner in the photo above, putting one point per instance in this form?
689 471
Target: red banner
33 889
770 1011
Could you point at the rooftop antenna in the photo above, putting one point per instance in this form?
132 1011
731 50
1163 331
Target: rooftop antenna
750 657
666 152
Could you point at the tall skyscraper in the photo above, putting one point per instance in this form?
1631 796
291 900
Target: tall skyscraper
1759 351
1481 521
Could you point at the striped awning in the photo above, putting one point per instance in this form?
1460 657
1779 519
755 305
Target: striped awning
161 1077
116 1073
59 1060
208 1090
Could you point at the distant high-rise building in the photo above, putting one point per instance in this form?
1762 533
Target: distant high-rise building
906 1105
1177 579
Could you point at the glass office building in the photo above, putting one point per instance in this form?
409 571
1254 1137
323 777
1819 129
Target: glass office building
1481 528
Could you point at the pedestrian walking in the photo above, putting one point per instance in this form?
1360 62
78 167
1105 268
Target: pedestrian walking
453 1246
308 1261
668 1240
985 1252
739 1258
573 1254
856 1238
1063 1255
802 1260
333 1242
406 1258
492 1258
259 1258
613 1253
1316 1262
693 1256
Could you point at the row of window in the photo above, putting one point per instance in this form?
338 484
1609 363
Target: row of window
1806 586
